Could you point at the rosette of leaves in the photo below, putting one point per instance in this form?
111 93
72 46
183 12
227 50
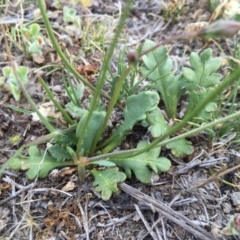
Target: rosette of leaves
33 39
12 81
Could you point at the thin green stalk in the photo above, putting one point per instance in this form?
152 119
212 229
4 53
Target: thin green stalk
44 139
68 65
56 103
17 109
149 73
121 154
112 103
227 82
25 92
102 77
73 97
173 38
234 96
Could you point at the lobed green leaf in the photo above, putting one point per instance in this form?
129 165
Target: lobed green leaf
107 180
181 148
142 164
137 106
36 164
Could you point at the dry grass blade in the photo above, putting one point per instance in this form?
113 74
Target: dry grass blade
84 220
166 211
214 177
17 193
152 233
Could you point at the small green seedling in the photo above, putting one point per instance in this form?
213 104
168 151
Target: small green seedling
15 139
12 80
233 227
70 16
180 148
33 39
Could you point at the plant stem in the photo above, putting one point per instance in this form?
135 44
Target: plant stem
102 79
27 96
122 154
112 103
64 113
60 53
228 81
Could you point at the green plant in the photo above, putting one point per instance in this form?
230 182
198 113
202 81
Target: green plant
200 79
225 9
32 38
88 139
194 82
233 227
197 80
37 163
70 16
173 9
158 67
12 81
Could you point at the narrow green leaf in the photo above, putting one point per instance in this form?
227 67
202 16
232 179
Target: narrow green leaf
17 109
94 125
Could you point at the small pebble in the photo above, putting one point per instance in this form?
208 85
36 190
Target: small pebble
235 198
227 207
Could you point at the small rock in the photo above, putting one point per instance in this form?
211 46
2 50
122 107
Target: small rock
57 88
227 207
235 198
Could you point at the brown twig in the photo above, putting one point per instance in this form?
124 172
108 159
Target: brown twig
167 212
213 178
17 193
150 231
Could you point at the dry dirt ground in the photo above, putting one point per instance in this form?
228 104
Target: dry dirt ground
181 204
